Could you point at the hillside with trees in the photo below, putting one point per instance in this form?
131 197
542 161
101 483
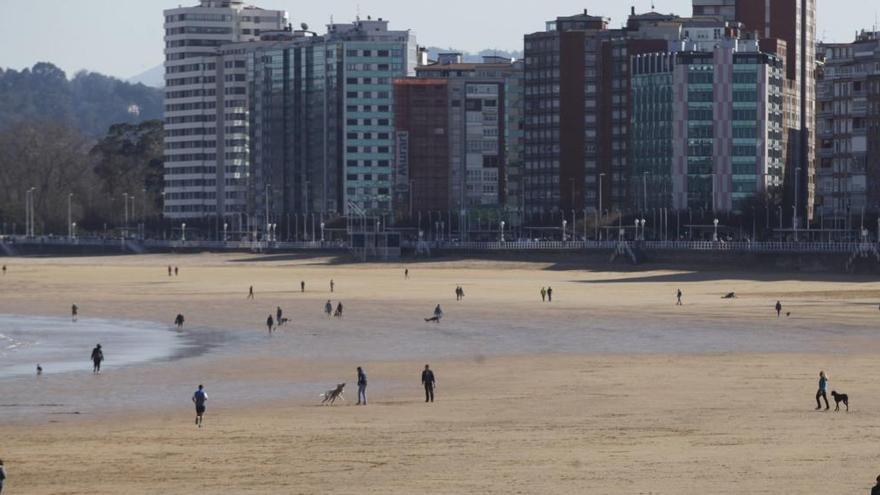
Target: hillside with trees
89 102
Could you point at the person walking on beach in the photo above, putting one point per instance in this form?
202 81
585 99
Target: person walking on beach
543 294
199 398
406 273
179 321
328 308
251 293
549 294
438 313
823 388
461 292
175 271
4 269
457 293
338 313
678 297
332 285
74 310
270 323
169 270
302 285
39 369
429 383
278 314
778 308
97 358
362 386
2 475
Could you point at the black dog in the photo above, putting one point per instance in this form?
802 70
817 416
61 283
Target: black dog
838 398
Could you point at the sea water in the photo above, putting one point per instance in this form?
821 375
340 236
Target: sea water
60 345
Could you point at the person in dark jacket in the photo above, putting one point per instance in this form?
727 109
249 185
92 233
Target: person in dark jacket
270 323
97 358
362 386
179 321
549 294
429 383
2 474
778 308
74 311
874 491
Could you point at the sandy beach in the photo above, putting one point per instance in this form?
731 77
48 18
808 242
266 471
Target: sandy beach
611 388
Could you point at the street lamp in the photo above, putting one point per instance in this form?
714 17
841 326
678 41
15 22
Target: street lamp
636 237
69 218
73 230
643 229
564 223
502 231
322 231
183 232
225 226
715 234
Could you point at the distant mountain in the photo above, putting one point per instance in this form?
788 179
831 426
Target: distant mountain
154 78
434 51
90 102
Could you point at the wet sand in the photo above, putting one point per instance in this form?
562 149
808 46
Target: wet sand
608 389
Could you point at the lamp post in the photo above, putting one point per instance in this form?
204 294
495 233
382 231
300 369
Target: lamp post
69 216
564 223
715 234
598 232
73 230
225 226
322 231
502 231
125 217
183 232
636 236
643 229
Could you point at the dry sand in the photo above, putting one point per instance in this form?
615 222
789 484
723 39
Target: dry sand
609 389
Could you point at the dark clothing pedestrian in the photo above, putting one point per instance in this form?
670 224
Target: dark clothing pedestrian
278 314
823 388
169 270
678 297
429 383
338 310
549 294
199 398
778 308
332 285
97 358
251 293
175 271
270 323
543 294
362 386
302 286
328 308
178 320
406 273
874 491
74 311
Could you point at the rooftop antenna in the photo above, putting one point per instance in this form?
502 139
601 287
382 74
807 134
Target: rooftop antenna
358 12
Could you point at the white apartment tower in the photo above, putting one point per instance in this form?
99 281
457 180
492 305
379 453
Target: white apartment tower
206 167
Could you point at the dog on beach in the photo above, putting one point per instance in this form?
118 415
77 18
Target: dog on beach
435 319
838 398
282 321
330 396
729 295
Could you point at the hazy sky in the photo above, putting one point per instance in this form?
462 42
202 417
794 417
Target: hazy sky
124 37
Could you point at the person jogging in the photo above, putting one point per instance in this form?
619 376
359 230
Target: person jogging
362 386
823 388
97 358
199 398
429 382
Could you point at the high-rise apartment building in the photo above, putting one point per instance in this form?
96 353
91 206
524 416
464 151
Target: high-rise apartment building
206 170
848 106
794 22
321 111
706 125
